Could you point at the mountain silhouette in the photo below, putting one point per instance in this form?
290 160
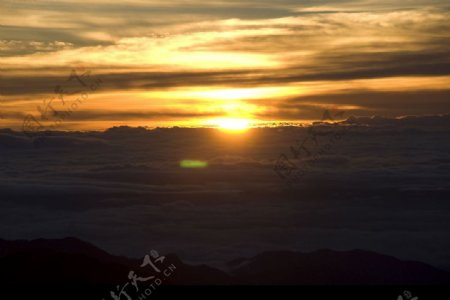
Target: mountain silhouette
328 267
75 263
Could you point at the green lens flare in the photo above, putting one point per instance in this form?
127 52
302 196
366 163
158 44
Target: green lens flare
193 164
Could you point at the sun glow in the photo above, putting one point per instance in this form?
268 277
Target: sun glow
232 124
228 93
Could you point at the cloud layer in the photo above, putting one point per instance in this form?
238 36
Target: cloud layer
383 187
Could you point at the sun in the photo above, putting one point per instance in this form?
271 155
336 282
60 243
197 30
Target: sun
233 124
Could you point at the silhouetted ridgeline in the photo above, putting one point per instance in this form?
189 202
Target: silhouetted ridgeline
74 264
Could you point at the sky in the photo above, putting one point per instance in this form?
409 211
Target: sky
196 63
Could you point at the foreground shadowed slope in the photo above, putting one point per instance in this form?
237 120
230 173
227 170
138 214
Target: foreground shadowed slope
74 262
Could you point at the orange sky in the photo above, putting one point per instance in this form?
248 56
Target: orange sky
193 64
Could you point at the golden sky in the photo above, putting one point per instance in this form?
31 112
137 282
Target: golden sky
191 63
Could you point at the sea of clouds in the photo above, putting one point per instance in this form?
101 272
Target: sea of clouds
383 187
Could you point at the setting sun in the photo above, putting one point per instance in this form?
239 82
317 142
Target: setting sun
232 124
